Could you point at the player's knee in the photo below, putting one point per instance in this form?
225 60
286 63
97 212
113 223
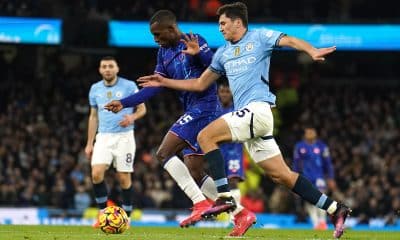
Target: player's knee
97 176
276 178
284 179
202 138
125 182
163 155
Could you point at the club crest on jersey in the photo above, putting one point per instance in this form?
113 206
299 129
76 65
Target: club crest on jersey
118 94
109 94
236 52
249 46
316 150
181 57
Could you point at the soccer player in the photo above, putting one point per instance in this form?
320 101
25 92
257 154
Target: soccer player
115 142
184 56
233 155
245 61
311 158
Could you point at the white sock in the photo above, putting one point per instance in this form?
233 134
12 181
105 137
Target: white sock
180 173
224 194
332 208
208 188
236 195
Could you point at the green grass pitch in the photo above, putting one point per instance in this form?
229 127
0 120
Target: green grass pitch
14 232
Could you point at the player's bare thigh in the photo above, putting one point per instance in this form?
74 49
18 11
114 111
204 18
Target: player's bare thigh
216 132
170 145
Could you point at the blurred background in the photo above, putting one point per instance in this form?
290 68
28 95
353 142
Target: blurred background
352 99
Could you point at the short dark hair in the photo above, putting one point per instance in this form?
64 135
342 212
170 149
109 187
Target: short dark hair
234 11
164 17
108 58
309 126
223 82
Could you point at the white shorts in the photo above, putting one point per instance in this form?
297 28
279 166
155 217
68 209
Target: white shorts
253 125
116 148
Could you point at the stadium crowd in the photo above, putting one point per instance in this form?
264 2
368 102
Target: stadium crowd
43 120
361 126
195 10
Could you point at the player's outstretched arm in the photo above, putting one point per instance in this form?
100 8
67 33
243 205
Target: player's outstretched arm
317 54
195 85
132 100
114 106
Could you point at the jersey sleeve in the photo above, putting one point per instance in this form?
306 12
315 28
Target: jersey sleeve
216 64
269 38
134 87
92 99
140 97
160 69
205 55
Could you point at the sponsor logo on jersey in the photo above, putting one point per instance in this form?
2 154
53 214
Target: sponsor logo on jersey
239 65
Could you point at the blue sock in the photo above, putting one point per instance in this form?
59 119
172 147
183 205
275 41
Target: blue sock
216 165
308 192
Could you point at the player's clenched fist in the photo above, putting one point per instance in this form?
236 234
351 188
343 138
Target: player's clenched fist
114 106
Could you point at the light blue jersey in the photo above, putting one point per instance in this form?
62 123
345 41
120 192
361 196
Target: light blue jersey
100 95
246 65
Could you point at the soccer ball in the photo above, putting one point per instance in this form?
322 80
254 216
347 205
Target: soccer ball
113 220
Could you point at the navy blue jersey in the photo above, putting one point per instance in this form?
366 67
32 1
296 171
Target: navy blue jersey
200 108
172 63
313 161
